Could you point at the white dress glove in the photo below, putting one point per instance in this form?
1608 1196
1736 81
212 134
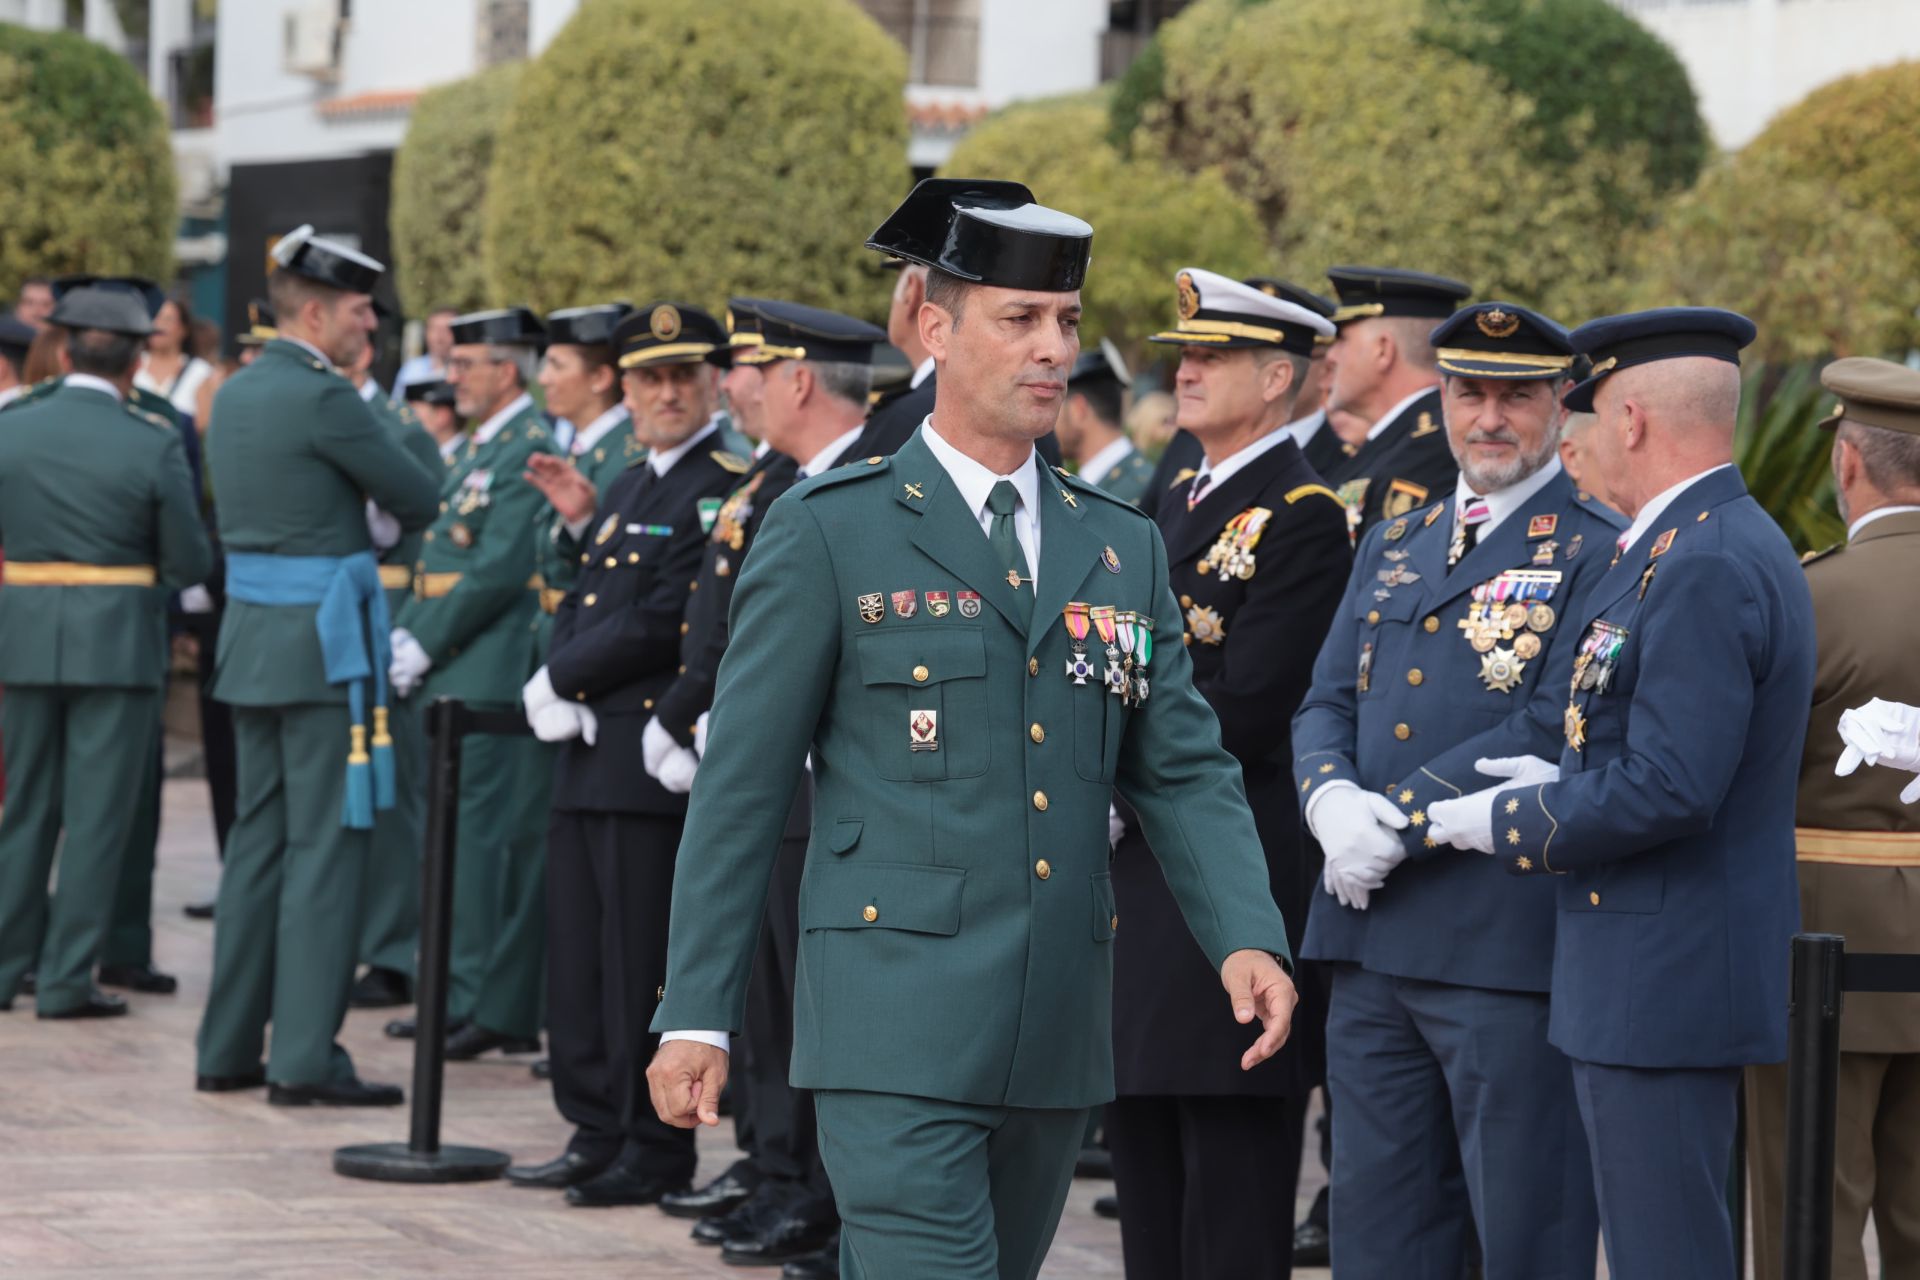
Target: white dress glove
1116 827
552 719
677 770
1882 733
1357 830
700 734
1467 823
410 663
382 528
589 723
196 599
656 744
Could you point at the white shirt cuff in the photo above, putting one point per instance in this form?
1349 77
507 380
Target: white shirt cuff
718 1039
575 528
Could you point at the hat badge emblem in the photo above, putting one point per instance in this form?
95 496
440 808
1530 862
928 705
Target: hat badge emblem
1189 295
1498 323
665 322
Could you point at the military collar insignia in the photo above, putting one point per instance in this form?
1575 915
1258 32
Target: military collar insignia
1433 513
915 491
1111 559
1425 427
1661 544
1398 530
1542 526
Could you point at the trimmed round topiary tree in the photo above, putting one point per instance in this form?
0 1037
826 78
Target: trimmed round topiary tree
1392 132
1148 219
679 148
440 178
86 168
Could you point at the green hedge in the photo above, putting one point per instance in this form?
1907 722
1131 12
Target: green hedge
680 148
1148 220
439 192
86 167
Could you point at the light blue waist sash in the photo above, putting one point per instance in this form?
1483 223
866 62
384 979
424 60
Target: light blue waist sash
355 632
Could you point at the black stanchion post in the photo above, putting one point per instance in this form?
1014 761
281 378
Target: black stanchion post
421 1158
1813 1072
1737 1181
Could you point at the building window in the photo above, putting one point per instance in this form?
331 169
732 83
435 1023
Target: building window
502 31
941 37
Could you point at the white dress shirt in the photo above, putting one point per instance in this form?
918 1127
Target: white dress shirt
88 382
1096 468
974 483
661 460
822 460
1304 429
1502 503
486 431
921 373
450 446
584 438
1853 530
1655 508
11 394
1387 418
1232 464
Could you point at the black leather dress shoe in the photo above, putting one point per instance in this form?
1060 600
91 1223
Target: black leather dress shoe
764 1206
569 1169
779 1241
98 1004
1107 1207
542 1069
139 977
1094 1162
824 1265
381 989
1311 1248
346 1093
621 1186
404 1028
198 910
229 1084
721 1196
472 1040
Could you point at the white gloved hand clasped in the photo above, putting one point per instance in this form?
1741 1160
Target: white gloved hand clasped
410 662
1882 733
1358 831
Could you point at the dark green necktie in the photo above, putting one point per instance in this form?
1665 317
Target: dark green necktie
1006 546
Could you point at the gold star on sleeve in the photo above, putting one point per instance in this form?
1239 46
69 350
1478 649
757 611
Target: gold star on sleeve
1327 767
1513 806
1419 818
1430 842
1406 795
1523 862
1305 783
1513 835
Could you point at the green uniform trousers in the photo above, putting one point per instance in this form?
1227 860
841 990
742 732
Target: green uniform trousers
945 1190
498 951
390 903
130 929
74 756
286 927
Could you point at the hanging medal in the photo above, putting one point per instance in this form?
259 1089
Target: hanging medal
1123 624
1103 624
1142 655
1077 621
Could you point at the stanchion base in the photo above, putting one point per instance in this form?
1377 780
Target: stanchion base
396 1162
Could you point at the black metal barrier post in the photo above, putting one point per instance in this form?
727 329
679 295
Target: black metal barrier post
1822 973
421 1158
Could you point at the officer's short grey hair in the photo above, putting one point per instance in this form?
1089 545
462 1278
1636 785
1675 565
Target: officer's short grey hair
1891 458
850 382
525 360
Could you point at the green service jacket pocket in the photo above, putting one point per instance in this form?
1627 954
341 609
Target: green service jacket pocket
910 896
927 691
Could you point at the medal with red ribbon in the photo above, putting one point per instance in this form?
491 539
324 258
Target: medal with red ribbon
1103 622
1077 622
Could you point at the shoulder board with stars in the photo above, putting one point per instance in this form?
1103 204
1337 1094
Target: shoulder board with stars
733 462
1079 485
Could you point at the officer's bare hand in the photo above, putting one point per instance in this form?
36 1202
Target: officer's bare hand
1260 988
685 1078
570 493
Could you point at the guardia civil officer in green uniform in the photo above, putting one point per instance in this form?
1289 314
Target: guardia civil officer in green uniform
296 459
953 1006
99 517
1092 430
390 925
470 632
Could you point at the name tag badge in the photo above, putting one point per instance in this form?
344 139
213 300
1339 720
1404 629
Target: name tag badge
923 730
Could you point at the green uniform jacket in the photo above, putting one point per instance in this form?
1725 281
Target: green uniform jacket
557 556
481 633
294 455
1128 478
957 914
412 437
87 480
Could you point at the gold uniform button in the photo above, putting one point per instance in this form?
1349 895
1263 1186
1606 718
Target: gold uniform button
1186 602
583 557
919 675
443 508
1402 732
875 461
685 627
1040 801
1043 869
647 705
429 537
1432 625
1414 677
1594 898
590 599
871 914
1033 666
1037 733
1186 637
633 557
611 561
1373 616
694 585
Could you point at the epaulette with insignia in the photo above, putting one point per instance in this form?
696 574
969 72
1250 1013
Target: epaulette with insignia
1181 476
1814 556
1426 426
834 476
733 462
33 395
1308 490
535 432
